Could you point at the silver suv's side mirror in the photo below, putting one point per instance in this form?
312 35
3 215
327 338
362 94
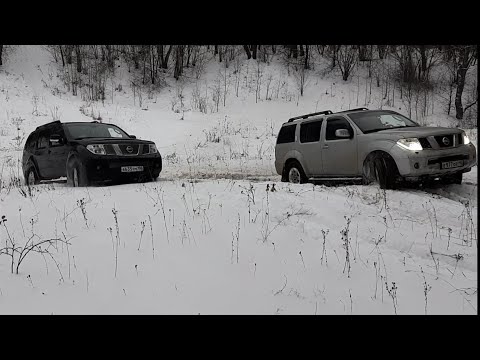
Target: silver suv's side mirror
342 133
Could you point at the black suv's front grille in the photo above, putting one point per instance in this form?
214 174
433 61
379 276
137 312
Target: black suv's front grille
445 141
123 149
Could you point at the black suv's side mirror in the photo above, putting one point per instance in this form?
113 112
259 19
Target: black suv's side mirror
55 140
133 137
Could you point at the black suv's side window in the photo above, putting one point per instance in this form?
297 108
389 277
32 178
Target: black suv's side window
286 134
335 124
42 142
30 143
310 131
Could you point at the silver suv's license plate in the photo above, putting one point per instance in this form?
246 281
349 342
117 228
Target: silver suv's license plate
452 164
131 168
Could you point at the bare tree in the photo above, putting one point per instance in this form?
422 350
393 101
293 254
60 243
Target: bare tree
247 50
179 53
1 51
466 55
79 58
346 60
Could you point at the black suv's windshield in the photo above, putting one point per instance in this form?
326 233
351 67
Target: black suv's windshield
373 121
78 131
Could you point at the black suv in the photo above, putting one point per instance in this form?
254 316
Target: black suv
87 153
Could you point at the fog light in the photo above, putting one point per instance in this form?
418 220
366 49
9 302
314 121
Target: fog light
416 165
98 167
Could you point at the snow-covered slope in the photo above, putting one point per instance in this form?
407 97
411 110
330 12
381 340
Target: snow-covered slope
208 237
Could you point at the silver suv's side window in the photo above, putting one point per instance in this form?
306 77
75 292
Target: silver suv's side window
335 124
286 134
310 131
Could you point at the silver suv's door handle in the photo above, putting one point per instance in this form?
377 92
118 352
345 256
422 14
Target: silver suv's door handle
325 146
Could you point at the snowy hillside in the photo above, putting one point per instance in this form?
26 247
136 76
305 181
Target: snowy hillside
210 236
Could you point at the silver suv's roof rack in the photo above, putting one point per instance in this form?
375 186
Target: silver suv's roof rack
326 112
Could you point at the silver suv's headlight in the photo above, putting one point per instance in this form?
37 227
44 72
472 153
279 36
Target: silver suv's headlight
97 149
466 140
152 149
410 144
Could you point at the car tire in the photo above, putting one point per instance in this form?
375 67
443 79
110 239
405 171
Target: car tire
455 178
381 170
294 173
76 174
31 175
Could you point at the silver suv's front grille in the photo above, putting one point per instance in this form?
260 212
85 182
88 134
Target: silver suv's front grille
446 141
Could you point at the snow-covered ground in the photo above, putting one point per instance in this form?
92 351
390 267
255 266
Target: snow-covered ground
208 237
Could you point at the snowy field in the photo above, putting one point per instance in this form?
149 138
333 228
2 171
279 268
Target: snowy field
210 236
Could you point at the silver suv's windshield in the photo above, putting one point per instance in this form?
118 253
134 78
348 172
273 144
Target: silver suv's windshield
78 131
373 121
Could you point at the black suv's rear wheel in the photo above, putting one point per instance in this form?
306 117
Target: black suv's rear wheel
31 177
76 173
294 173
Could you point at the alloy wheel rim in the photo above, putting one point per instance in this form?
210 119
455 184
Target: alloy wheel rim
31 178
75 177
294 176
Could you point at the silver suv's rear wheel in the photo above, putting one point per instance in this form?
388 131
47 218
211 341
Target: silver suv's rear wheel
295 173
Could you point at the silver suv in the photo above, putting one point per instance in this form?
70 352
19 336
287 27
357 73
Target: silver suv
370 145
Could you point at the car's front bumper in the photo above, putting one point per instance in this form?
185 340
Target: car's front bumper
104 168
428 162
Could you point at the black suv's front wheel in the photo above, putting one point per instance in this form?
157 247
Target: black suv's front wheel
76 173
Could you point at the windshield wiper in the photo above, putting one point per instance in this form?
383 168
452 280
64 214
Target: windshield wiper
86 137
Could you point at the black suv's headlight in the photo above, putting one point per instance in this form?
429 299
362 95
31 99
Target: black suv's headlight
466 140
96 149
152 149
410 144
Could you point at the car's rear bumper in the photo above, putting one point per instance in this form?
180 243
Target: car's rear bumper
104 169
429 162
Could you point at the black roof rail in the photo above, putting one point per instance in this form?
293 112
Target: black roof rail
326 112
356 109
48 124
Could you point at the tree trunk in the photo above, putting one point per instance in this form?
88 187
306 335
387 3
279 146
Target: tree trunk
69 49
247 50
79 58
165 61
294 50
423 67
1 51
254 52
302 52
461 73
307 57
61 53
178 61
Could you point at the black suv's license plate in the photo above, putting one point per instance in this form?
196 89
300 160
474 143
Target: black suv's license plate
452 164
131 168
